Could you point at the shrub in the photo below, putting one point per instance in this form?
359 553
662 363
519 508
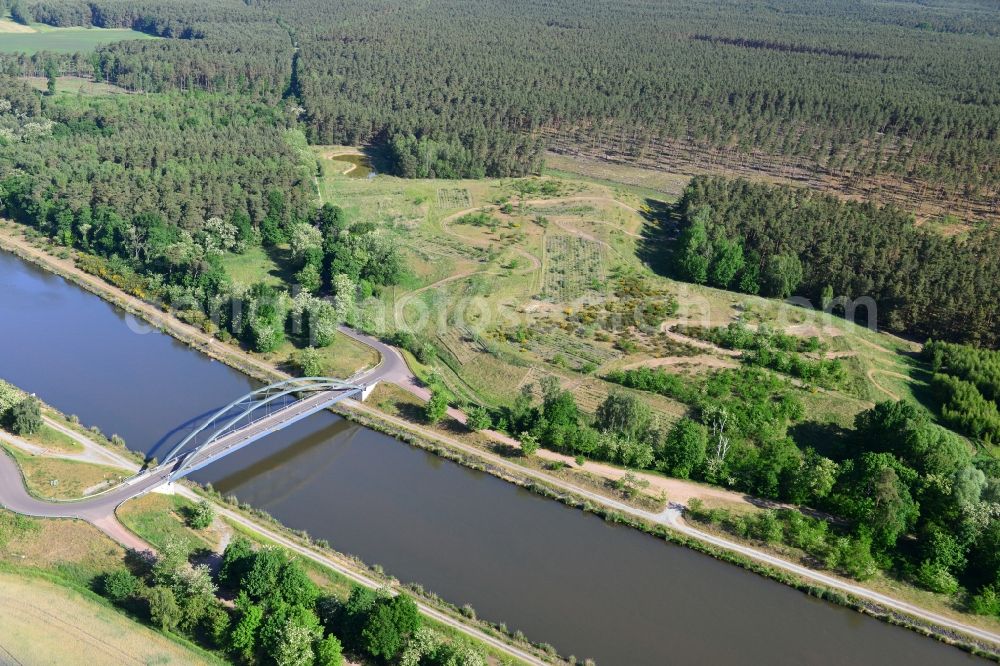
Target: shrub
119 585
163 608
26 417
529 444
200 516
437 406
479 419
936 578
308 362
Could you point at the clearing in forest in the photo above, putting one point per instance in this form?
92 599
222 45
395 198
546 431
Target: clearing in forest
41 37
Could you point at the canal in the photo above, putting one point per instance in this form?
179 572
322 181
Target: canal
589 588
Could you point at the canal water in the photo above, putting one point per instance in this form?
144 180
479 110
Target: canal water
561 576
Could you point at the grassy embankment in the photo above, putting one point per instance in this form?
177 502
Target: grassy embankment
58 479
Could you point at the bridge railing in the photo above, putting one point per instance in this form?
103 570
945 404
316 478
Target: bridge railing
244 407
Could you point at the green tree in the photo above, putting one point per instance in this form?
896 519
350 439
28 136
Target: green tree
694 249
684 448
814 479
309 362
172 558
329 651
529 444
26 417
479 418
216 623
625 414
304 240
437 406
296 645
243 639
236 562
310 278
727 262
874 492
295 587
826 298
51 72
389 624
782 275
344 293
163 608
261 580
120 585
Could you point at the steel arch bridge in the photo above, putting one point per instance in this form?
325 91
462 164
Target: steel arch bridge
254 416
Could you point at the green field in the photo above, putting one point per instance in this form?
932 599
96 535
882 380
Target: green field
62 40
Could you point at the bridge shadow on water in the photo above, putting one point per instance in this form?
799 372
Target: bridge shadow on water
176 435
302 458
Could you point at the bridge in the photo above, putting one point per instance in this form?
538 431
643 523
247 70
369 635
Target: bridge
242 422
252 417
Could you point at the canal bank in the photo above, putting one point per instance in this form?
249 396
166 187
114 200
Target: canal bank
561 576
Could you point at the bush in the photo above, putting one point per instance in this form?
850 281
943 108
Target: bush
437 406
529 444
389 624
987 602
120 585
163 608
767 528
200 516
936 578
26 417
308 362
479 419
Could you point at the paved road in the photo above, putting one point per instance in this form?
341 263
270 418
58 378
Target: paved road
99 509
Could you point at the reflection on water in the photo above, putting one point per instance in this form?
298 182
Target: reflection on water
562 576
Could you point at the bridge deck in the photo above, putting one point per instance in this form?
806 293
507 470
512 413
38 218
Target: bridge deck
231 442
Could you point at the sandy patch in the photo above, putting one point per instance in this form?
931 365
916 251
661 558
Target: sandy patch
11 28
813 331
667 326
331 153
699 362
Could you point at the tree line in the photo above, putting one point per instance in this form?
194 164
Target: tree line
280 616
782 241
157 190
966 383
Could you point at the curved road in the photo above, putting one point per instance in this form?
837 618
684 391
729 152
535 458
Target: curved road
98 510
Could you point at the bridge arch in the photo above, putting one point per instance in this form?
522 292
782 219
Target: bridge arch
283 403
